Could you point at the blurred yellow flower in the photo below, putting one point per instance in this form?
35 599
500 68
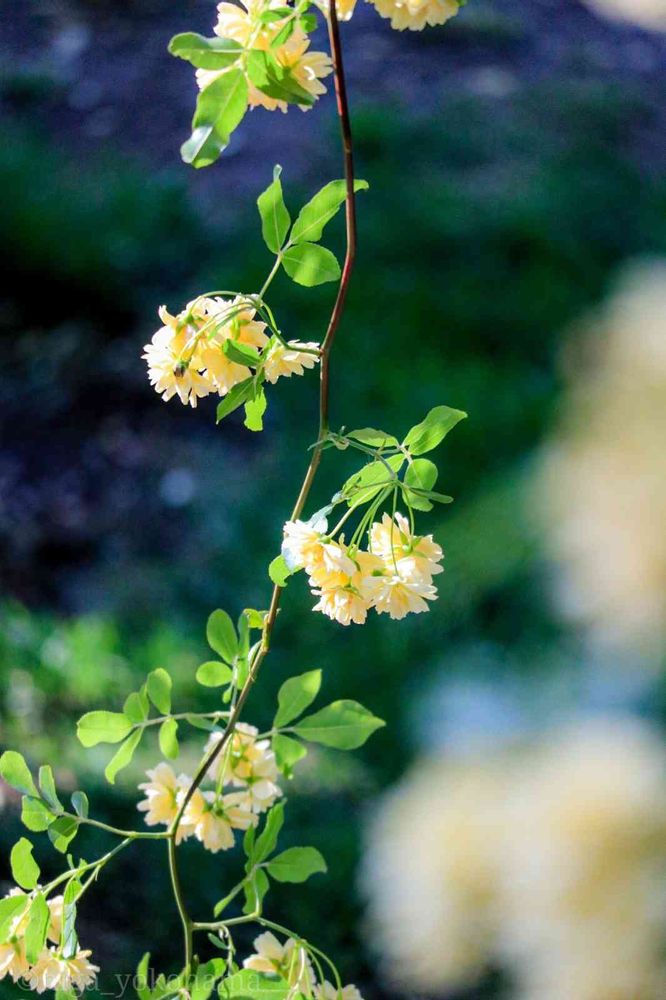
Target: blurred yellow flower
602 488
647 13
548 860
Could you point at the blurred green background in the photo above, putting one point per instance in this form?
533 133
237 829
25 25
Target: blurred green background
515 158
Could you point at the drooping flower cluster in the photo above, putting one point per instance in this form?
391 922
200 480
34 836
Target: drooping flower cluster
246 765
243 23
52 970
416 14
394 576
186 357
547 862
291 962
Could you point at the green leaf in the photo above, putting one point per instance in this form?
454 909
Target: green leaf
11 909
296 864
141 979
35 814
253 985
137 706
279 572
24 867
220 109
372 479
287 752
255 619
168 739
158 686
205 53
214 674
344 725
102 727
205 978
38 925
240 394
373 438
249 838
15 771
221 635
310 264
295 695
275 218
69 940
267 839
241 354
200 723
254 412
428 434
122 756
62 832
80 804
319 210
421 473
275 80
48 788
255 889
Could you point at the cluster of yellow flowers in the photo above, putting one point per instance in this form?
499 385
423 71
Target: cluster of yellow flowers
247 764
291 961
394 577
52 970
547 862
186 356
243 24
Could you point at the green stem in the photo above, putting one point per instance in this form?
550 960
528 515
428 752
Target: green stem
128 834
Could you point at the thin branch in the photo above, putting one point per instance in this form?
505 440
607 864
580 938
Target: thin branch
324 397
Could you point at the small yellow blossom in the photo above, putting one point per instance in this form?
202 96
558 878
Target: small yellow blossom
53 972
169 358
55 905
249 764
327 991
402 593
302 544
213 819
12 960
217 368
161 802
344 597
416 14
393 541
288 360
289 960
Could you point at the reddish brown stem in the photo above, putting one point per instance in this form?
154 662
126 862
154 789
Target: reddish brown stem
324 395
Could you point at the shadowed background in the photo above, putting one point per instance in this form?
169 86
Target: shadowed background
516 159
